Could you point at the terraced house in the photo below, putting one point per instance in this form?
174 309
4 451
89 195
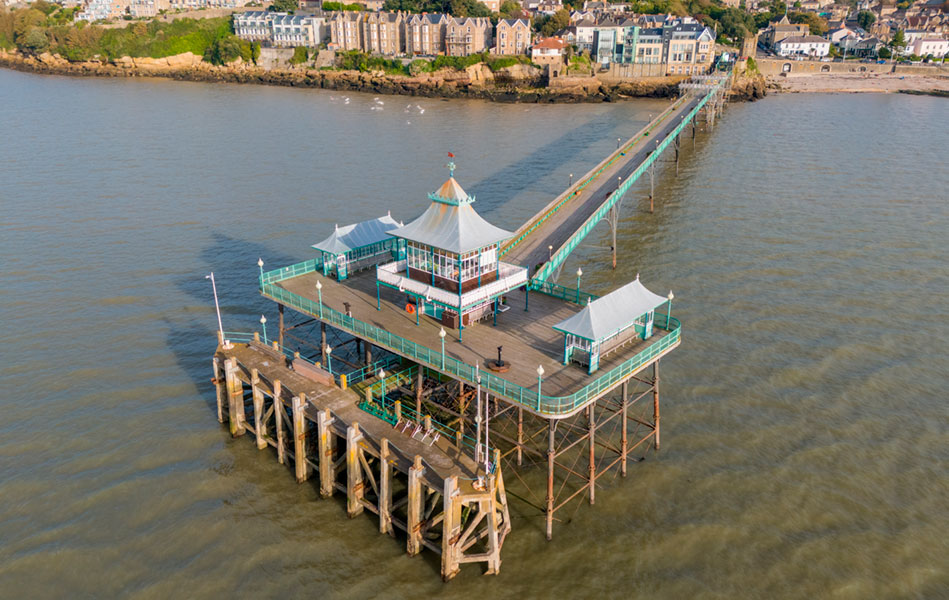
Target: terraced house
512 36
346 30
465 36
425 34
279 29
382 33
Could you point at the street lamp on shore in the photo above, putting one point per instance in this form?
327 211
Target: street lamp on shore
442 334
263 323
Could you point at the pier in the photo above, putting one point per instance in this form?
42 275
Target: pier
436 359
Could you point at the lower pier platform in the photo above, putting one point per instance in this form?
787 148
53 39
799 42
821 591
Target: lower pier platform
412 478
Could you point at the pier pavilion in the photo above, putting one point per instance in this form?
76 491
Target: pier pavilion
452 271
358 246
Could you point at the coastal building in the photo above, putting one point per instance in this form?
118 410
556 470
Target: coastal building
425 34
279 29
103 10
512 36
467 35
938 47
452 272
346 31
352 248
493 5
810 45
382 33
783 28
551 52
146 9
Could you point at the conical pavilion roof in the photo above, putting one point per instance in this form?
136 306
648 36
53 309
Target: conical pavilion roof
450 223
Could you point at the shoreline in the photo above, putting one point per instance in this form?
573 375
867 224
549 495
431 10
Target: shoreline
871 83
473 84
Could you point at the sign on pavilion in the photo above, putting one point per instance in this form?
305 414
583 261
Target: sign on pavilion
623 316
358 246
452 270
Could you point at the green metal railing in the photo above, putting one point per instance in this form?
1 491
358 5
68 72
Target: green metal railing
301 268
384 408
561 254
537 222
529 398
568 294
359 375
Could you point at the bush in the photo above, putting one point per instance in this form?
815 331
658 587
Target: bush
228 49
885 53
459 63
35 41
419 66
300 55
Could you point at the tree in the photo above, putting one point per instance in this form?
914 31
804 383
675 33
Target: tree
548 26
284 6
865 19
898 42
884 52
510 10
224 50
35 41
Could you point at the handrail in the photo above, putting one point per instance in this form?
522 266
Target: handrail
494 384
560 254
524 230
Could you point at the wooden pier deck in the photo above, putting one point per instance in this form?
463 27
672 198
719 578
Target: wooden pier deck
527 337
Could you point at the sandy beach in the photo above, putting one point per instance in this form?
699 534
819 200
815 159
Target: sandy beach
867 82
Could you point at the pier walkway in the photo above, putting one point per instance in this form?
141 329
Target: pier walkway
555 231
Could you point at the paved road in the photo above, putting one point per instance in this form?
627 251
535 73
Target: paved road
571 216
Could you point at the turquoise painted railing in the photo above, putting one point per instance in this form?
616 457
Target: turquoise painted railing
568 294
306 266
530 399
538 221
369 372
384 409
561 254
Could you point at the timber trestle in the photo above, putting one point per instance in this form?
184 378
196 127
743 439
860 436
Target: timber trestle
424 487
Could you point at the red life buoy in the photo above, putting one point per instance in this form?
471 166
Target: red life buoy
410 308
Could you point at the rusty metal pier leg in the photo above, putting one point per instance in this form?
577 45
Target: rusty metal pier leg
419 380
655 399
551 430
623 441
652 186
520 436
591 423
322 343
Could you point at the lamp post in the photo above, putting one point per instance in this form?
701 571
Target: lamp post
260 265
550 252
263 323
579 274
442 334
618 142
669 310
540 380
571 180
329 359
217 307
319 292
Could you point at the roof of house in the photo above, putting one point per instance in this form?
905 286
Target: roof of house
553 43
451 223
615 311
804 39
357 235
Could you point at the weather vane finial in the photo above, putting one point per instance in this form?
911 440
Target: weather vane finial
451 165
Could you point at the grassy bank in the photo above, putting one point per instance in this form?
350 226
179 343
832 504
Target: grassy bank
49 28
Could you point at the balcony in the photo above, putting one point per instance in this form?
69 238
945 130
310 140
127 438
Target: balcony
509 278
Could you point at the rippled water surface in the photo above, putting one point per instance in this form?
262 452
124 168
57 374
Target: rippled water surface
805 424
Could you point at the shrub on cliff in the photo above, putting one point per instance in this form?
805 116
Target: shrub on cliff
229 49
496 64
35 41
300 55
459 63
419 66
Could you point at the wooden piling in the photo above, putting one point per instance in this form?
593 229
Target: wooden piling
385 489
218 391
299 438
327 446
355 488
279 414
413 524
235 398
260 426
451 528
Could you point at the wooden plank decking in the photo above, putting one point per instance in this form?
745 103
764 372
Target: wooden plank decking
528 337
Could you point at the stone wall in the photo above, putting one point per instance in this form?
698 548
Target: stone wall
776 68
